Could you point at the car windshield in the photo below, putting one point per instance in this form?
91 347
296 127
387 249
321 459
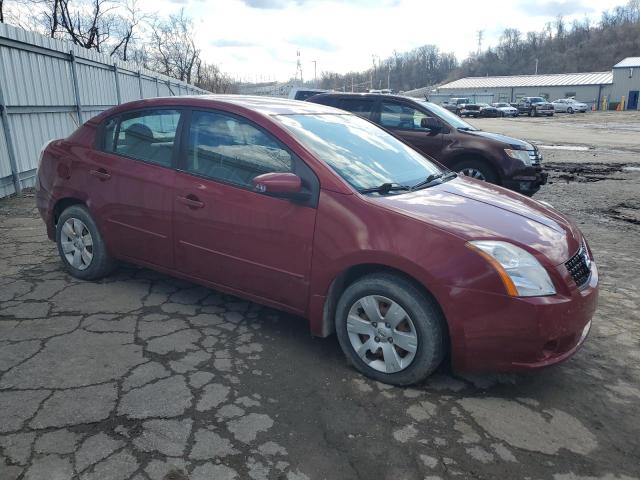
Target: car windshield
537 99
451 118
501 105
363 154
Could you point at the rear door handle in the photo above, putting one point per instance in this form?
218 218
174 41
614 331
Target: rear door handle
191 201
101 173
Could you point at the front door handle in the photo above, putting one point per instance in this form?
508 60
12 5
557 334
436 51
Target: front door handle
191 201
101 173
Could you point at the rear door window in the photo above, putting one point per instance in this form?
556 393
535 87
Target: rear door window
147 135
400 116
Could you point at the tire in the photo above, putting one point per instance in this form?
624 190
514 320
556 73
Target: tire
471 166
570 110
423 323
76 231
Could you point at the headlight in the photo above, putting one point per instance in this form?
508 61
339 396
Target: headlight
522 155
521 274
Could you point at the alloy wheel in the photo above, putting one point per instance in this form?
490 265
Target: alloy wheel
76 243
473 173
382 333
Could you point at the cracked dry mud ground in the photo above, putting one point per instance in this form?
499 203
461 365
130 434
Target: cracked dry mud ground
141 375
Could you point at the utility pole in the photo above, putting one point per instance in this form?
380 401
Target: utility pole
315 76
389 77
480 33
536 66
298 67
373 72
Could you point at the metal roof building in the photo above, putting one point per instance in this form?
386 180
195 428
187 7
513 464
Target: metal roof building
621 83
559 79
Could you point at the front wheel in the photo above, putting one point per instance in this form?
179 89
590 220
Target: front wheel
390 330
476 169
569 110
80 245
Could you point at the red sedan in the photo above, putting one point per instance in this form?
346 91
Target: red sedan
321 213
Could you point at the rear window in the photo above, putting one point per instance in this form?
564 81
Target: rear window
148 135
304 94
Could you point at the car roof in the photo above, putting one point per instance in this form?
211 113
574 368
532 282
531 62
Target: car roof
261 104
366 95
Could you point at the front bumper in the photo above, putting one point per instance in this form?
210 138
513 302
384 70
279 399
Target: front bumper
491 332
526 181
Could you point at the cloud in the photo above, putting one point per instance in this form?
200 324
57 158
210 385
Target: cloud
281 4
224 43
310 41
554 8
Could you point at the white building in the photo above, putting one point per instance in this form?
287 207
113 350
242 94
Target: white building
590 87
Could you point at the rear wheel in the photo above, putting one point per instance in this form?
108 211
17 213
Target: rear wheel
476 169
80 245
390 330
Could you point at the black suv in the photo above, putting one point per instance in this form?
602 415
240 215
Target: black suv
435 131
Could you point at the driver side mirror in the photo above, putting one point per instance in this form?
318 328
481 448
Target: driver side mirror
430 123
278 184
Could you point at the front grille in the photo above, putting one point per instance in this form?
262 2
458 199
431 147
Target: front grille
579 266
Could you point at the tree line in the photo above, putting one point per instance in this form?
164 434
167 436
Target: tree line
425 65
122 30
561 47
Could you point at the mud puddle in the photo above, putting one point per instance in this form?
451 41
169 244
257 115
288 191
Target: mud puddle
626 211
584 172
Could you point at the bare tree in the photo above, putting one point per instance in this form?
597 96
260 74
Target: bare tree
1 11
173 48
209 77
127 27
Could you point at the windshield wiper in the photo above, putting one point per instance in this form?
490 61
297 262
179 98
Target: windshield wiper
429 181
385 188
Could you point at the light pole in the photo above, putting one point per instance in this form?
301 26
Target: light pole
315 77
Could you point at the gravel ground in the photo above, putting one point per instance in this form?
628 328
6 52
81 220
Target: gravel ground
143 376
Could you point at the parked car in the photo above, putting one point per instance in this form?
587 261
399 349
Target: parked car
534 106
495 158
304 93
323 214
456 105
505 109
569 105
477 110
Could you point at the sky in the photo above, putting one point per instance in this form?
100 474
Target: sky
257 40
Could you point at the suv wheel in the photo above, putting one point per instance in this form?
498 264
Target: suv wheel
389 330
80 245
476 169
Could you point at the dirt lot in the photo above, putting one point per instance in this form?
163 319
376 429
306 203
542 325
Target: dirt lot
142 374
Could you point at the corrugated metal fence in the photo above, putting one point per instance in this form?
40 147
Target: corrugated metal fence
48 87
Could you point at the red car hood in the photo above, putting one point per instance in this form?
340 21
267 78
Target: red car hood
476 210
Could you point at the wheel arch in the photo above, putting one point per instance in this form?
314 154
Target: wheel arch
354 272
61 205
477 156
